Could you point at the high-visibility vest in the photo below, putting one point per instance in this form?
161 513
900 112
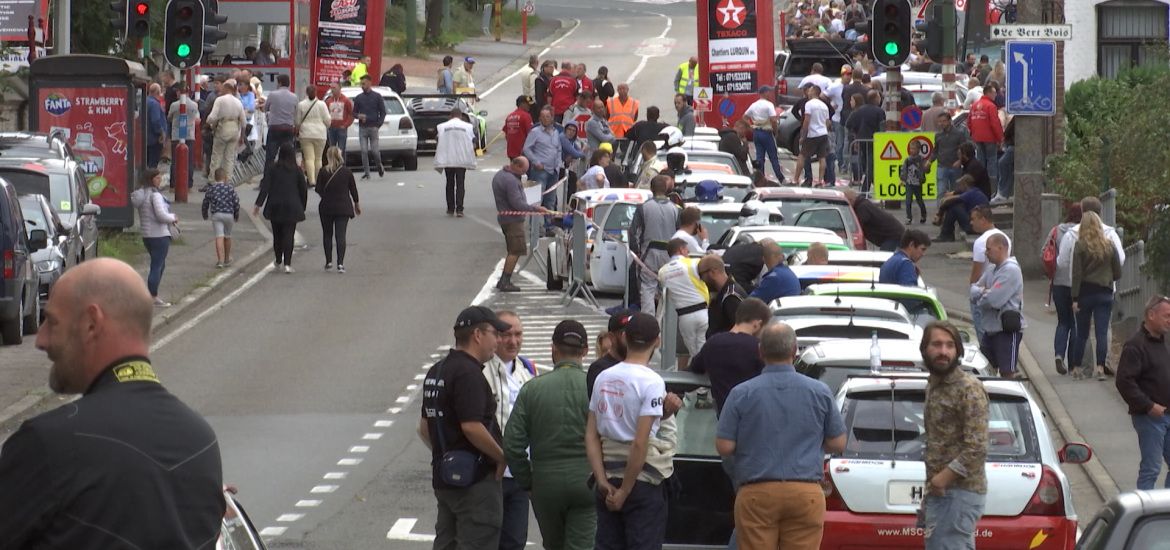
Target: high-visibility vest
684 71
621 117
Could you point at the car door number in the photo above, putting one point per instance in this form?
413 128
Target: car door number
905 493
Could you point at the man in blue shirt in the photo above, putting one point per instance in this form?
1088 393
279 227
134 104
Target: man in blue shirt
156 126
543 148
902 267
956 209
779 281
779 409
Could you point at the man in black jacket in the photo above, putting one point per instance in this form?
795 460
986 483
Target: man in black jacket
880 227
369 108
726 294
645 130
734 140
1143 378
127 465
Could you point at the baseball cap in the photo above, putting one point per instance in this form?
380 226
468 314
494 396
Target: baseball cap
617 321
764 89
469 59
475 315
641 329
570 333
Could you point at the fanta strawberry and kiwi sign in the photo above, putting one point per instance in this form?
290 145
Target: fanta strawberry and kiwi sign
94 122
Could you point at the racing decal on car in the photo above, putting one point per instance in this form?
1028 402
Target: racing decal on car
1038 539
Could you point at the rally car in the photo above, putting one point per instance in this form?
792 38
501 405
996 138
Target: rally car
607 213
429 110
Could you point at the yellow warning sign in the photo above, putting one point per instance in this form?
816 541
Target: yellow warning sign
890 150
703 94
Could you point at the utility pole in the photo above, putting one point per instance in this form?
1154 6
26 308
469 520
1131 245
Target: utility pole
1027 222
945 9
411 26
62 35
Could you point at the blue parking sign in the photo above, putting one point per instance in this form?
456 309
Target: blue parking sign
1031 78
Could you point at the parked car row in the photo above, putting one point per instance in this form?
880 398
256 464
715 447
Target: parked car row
47 225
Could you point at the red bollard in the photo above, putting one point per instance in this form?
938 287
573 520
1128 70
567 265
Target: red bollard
181 184
198 147
524 26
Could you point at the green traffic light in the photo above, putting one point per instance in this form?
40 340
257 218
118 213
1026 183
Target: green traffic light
184 50
891 48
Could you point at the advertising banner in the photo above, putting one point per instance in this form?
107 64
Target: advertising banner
14 18
735 55
94 121
341 38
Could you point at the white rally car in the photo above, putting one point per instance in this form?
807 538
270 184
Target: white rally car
607 213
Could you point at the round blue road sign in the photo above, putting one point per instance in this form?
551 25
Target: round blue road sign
911 117
726 107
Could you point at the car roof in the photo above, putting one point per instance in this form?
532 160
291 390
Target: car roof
801 322
855 353
843 273
861 289
733 180
39 165
1012 388
724 207
351 91
772 193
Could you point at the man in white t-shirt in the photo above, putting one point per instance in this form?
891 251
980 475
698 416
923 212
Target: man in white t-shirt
816 77
629 445
814 131
761 115
982 222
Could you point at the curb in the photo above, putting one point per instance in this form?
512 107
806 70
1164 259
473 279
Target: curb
1102 482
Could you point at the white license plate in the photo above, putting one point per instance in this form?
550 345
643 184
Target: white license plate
904 493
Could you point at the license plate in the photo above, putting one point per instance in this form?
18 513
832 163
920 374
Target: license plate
904 493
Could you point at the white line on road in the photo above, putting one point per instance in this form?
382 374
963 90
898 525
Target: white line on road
401 530
394 410
359 449
308 503
645 58
576 25
411 387
334 475
273 531
349 462
419 376
383 423
372 436
402 399
323 489
182 329
289 518
486 291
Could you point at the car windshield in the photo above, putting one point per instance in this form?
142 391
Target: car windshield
717 224
791 207
890 425
34 216
55 187
618 221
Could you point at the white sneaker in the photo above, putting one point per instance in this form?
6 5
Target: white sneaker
999 199
288 269
340 268
159 302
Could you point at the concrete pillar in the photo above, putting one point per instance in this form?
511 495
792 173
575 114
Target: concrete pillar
1029 234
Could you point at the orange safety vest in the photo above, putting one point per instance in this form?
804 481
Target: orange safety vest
621 117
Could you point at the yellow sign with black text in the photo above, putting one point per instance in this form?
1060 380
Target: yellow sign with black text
890 150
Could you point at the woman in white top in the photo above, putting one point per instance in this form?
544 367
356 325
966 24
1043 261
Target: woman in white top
312 126
156 221
454 156
594 177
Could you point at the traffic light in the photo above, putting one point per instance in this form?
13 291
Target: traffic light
137 18
183 39
118 16
934 33
891 31
211 22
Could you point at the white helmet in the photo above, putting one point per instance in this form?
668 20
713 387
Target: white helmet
676 160
754 212
672 136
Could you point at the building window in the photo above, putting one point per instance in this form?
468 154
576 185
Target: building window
1130 33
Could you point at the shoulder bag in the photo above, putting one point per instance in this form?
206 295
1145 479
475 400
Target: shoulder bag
457 467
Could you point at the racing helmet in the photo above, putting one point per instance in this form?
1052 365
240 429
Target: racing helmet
676 160
754 212
672 136
708 191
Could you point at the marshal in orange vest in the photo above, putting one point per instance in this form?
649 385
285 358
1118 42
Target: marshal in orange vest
621 115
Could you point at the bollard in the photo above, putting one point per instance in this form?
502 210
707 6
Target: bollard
182 154
524 27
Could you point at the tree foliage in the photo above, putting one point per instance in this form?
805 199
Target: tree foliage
1116 137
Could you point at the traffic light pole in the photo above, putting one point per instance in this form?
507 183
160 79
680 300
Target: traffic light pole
1028 230
946 11
62 34
892 96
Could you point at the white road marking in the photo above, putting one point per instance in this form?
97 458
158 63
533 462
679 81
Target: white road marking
576 25
394 410
349 462
419 376
308 503
273 531
372 436
289 518
401 530
411 387
402 399
359 449
595 46
334 475
383 423
645 58
183 328
323 489
486 291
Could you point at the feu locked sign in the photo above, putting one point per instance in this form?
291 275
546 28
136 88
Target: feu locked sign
890 150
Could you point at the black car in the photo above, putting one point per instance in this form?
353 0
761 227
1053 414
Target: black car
20 309
429 110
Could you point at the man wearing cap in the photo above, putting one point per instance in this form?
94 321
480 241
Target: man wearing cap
615 349
506 372
630 446
544 443
761 115
516 127
463 79
458 419
780 281
597 127
614 173
726 295
651 227
688 294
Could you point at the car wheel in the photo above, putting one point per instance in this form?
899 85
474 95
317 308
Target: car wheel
32 321
551 282
11 331
410 163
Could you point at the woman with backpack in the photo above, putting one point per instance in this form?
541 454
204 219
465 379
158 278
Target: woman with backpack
1096 265
1061 289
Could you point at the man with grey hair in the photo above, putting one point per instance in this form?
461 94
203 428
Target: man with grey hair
769 482
930 117
1144 383
76 475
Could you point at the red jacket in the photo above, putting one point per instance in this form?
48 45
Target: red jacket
516 127
584 84
983 122
562 92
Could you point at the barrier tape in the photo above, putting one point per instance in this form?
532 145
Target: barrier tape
530 213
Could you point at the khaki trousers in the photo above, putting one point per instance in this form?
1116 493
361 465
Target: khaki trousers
311 151
779 514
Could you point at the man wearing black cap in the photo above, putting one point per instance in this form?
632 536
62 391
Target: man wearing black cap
544 444
630 446
617 347
458 424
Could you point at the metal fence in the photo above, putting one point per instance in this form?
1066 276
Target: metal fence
1135 287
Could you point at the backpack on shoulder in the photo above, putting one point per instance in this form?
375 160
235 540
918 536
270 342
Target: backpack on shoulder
1048 254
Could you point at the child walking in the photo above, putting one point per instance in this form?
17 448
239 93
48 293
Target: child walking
913 174
222 205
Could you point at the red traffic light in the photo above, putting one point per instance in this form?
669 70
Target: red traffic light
141 8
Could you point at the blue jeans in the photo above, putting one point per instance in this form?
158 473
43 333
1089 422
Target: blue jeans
839 132
1007 172
766 148
956 214
368 139
337 137
641 523
1154 446
514 530
988 153
157 247
1066 328
951 519
946 181
1096 305
547 179
977 321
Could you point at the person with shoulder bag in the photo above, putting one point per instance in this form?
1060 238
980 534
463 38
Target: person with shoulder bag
339 203
999 295
312 128
1061 290
158 225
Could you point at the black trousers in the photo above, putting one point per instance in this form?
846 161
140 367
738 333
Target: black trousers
455 188
282 241
275 139
330 226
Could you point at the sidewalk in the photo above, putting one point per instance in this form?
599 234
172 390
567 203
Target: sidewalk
190 275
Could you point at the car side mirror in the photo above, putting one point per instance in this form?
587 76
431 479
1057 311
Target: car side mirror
1075 453
38 239
91 209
